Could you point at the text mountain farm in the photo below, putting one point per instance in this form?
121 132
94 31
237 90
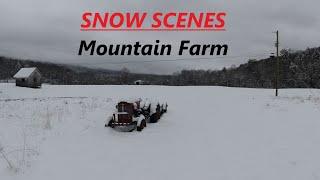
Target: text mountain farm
137 49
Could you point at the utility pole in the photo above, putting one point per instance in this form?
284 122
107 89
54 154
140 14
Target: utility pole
277 65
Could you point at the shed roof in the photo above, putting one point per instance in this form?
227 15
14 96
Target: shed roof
25 72
139 80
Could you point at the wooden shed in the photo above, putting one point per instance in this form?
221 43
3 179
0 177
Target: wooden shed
28 77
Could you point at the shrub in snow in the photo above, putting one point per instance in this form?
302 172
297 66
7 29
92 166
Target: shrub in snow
6 159
1 148
47 124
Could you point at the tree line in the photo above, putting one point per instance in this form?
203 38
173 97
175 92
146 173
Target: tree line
298 69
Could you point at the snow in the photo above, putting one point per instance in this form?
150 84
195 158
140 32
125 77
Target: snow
57 132
24 72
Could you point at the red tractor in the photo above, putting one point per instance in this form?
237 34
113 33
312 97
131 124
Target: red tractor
131 116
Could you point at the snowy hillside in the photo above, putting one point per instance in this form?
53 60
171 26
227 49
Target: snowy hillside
58 133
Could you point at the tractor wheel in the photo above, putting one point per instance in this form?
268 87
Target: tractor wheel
142 125
139 128
153 118
110 124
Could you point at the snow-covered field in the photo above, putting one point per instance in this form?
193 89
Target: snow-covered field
58 133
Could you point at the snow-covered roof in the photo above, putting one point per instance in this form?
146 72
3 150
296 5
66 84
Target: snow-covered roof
24 72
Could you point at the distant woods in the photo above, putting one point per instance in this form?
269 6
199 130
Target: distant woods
298 69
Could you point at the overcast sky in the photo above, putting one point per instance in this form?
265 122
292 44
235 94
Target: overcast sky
48 30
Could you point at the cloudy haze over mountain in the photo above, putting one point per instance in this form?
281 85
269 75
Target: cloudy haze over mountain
50 31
